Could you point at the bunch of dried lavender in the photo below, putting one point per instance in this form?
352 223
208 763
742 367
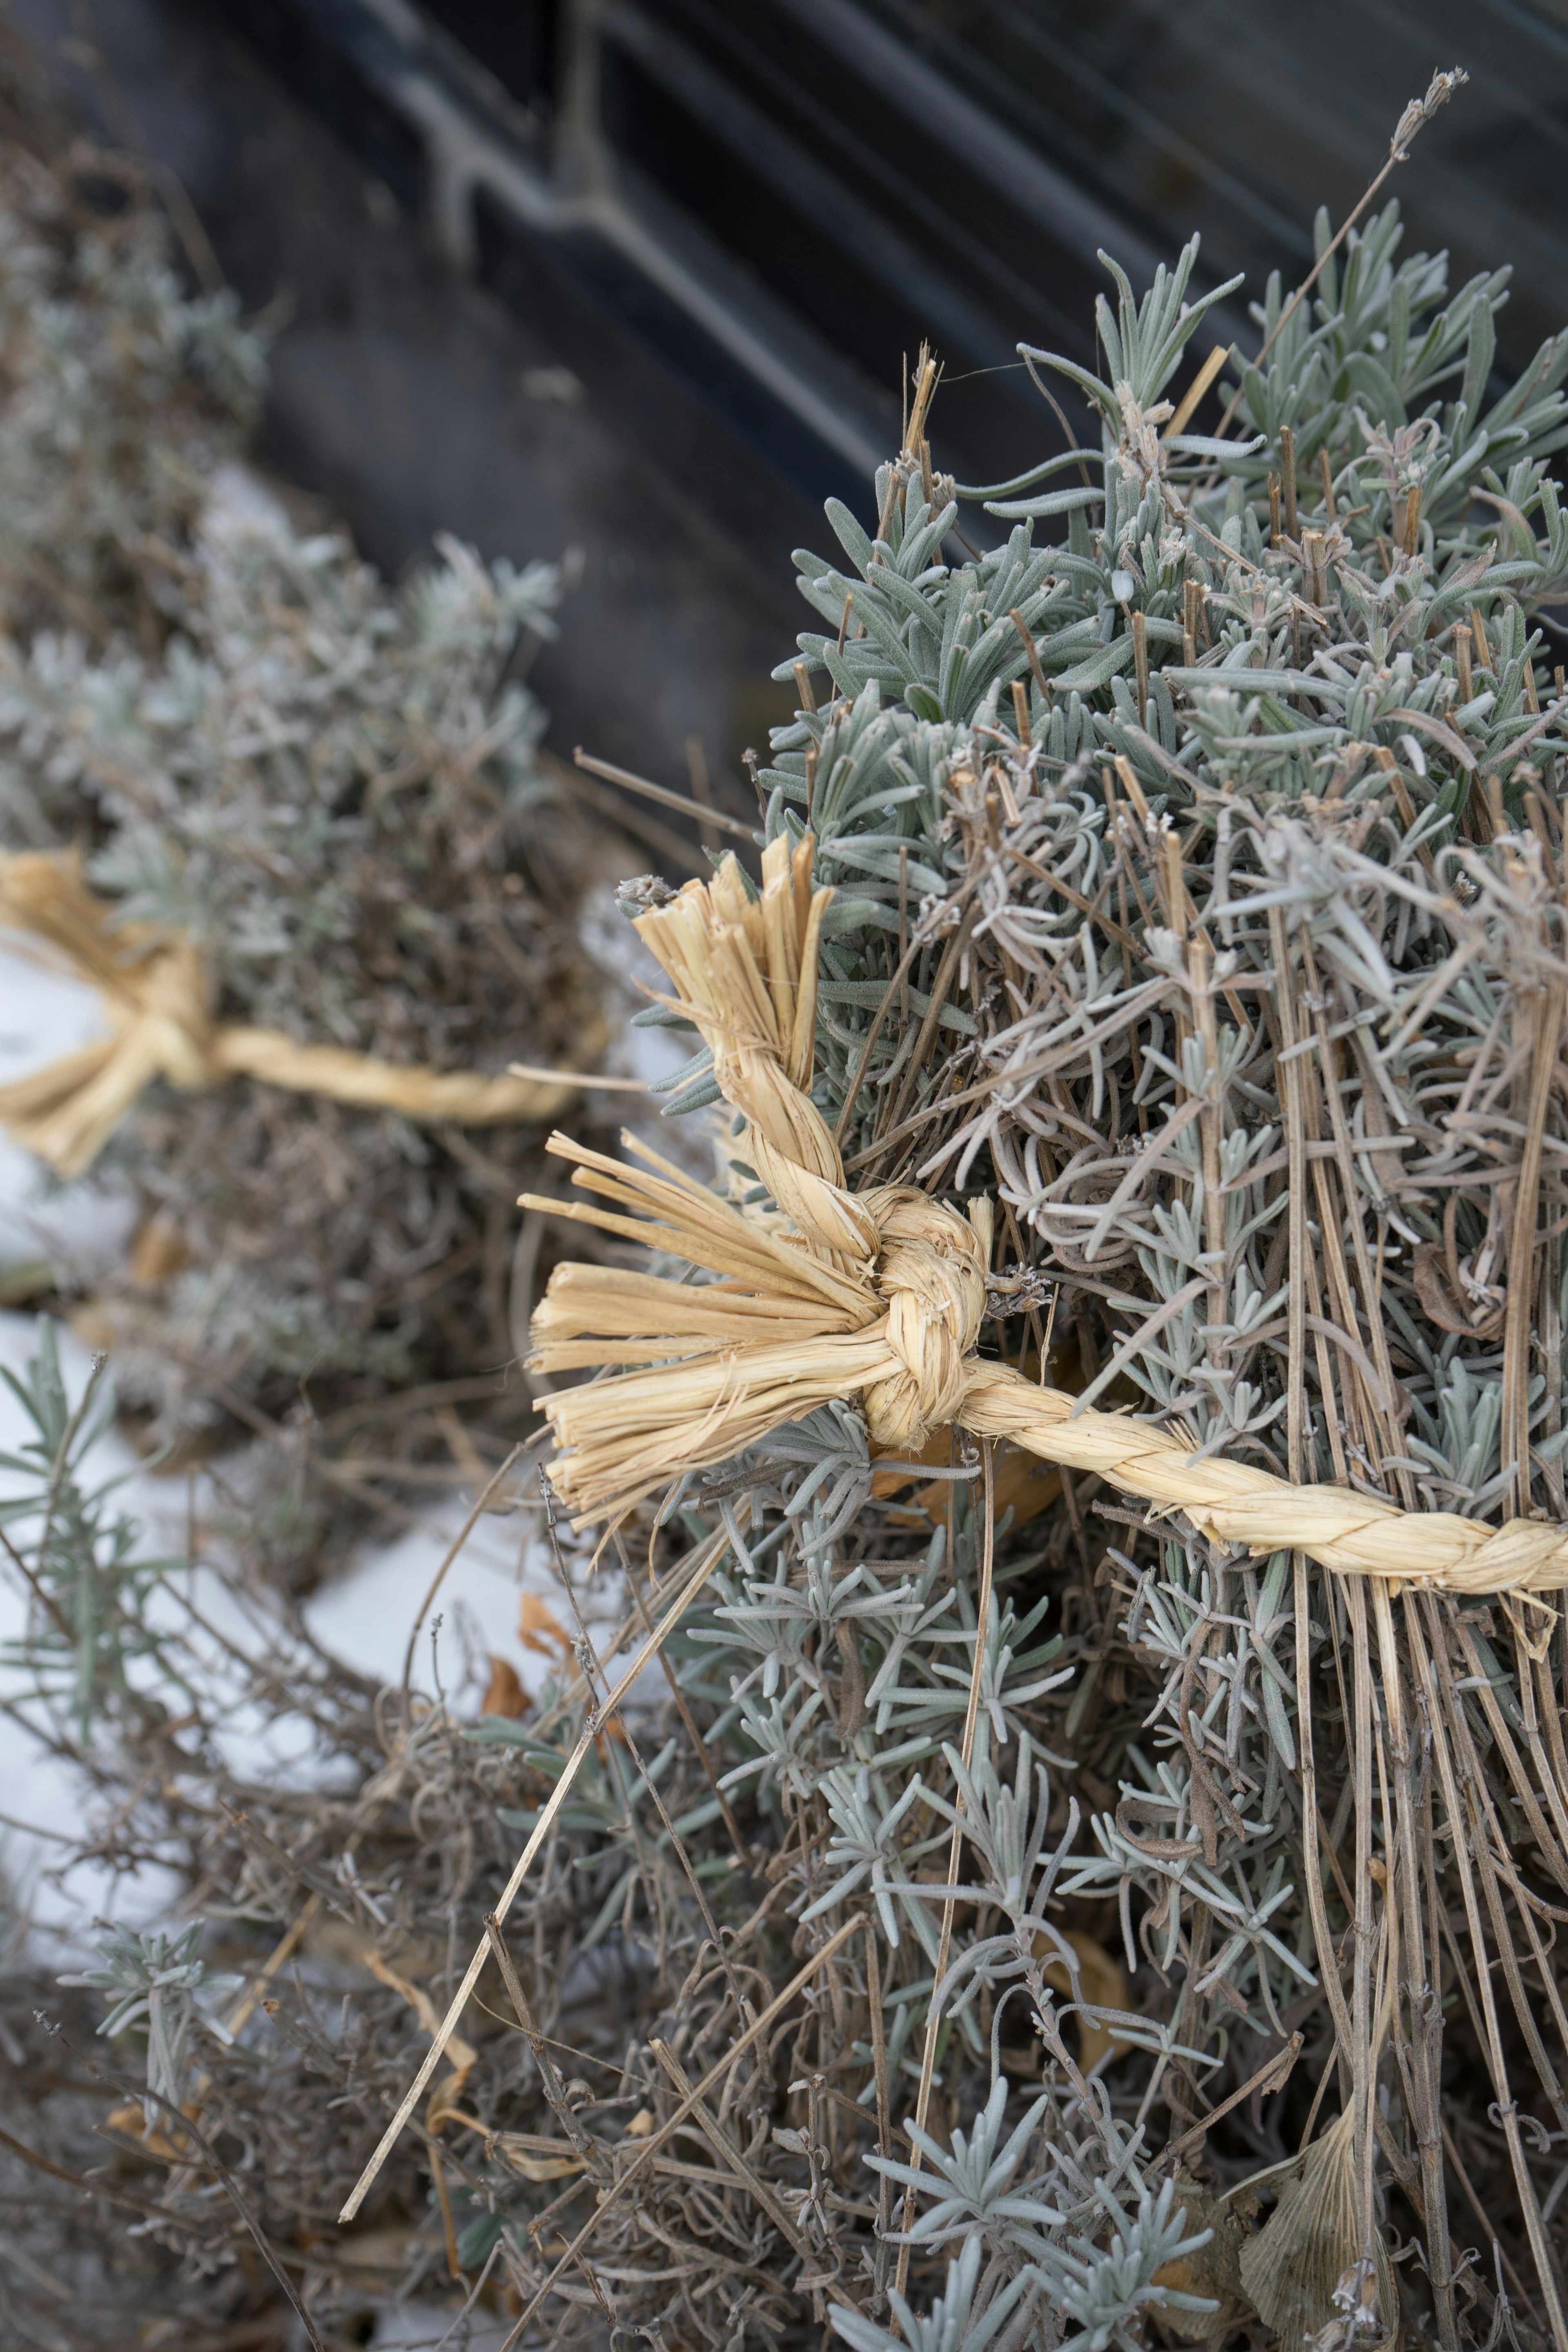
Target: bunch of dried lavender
119 392
1245 999
330 792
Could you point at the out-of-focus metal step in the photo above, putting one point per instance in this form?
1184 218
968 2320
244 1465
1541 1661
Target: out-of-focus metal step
781 202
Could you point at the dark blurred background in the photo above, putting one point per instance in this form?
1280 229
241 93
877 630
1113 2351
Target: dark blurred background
640 276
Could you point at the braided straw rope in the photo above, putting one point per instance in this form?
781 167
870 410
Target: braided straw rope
156 994
877 1295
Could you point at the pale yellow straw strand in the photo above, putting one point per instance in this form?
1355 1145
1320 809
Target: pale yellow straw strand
708 1560
944 1941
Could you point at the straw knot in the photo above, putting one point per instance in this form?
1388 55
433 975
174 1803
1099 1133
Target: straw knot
931 1272
156 996
832 1295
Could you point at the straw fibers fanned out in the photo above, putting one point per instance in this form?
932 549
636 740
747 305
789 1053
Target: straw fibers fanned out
914 1288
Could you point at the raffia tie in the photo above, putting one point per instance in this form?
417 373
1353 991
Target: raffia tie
878 1295
157 995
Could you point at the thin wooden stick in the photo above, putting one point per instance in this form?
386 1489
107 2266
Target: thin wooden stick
724 2146
1270 2077
246 2006
664 797
463 1532
884 2101
638 824
1187 406
1548 1008
1425 1654
683 1708
1441 89
1027 634
578 1078
1363 2051
713 1552
1403 1889
946 969
549 2074
971 1720
862 1066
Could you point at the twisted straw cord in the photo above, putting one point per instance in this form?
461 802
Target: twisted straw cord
877 1295
156 995
1236 1503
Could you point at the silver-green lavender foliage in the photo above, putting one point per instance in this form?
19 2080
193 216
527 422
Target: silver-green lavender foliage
324 784
1336 720
89 1576
329 785
1044 2234
248 779
118 393
162 1986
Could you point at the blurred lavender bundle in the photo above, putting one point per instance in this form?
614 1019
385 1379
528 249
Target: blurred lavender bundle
318 801
119 392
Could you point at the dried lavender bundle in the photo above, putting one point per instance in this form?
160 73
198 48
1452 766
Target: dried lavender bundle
1030 1919
315 846
329 795
1226 843
120 393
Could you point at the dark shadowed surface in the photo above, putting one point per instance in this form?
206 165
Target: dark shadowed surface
413 403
